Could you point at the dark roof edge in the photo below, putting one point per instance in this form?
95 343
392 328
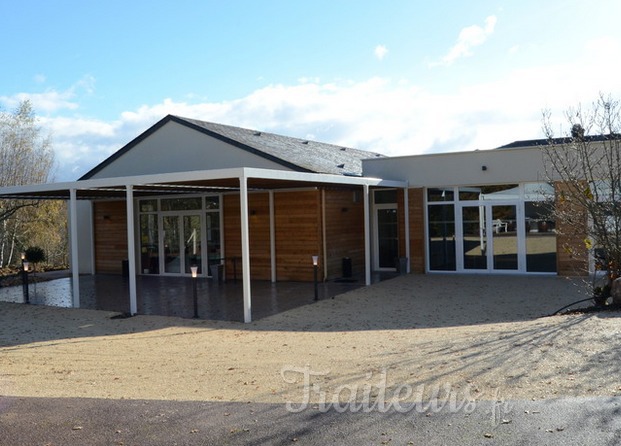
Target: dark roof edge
126 148
181 121
556 141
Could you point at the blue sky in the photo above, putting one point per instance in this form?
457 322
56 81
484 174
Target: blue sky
397 77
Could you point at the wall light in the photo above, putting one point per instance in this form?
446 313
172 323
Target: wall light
315 268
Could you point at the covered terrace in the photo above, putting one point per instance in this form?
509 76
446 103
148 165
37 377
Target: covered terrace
240 180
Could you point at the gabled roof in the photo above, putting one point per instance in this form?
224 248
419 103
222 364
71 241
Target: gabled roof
294 153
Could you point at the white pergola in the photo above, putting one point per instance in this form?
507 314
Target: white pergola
240 179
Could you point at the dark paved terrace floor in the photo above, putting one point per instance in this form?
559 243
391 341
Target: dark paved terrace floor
173 296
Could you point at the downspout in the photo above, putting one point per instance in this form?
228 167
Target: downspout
406 205
323 234
272 238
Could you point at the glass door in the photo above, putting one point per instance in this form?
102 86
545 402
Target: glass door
192 242
504 237
172 244
474 237
181 239
387 236
490 237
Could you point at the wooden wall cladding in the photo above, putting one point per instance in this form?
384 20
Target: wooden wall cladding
110 229
297 222
416 204
344 231
298 233
258 209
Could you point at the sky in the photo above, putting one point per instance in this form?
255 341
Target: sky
400 77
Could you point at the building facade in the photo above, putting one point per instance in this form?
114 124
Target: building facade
246 203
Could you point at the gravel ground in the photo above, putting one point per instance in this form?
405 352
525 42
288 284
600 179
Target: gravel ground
413 338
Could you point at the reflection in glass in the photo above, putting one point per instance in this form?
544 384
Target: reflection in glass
172 243
148 205
387 237
213 237
149 262
504 233
490 192
475 239
441 232
540 237
385 196
192 242
436 194
181 204
212 202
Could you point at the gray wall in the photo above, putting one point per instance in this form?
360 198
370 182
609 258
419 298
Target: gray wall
176 148
503 166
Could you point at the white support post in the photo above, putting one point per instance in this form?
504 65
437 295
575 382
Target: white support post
406 213
272 237
367 235
131 251
245 247
75 264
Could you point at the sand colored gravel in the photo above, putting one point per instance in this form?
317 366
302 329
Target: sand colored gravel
479 337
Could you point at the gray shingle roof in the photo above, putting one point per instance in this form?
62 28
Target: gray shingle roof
294 153
308 156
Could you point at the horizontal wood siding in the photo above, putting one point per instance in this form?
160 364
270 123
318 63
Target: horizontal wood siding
344 231
110 224
259 232
298 233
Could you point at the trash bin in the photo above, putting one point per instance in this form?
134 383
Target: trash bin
125 268
347 268
402 265
216 272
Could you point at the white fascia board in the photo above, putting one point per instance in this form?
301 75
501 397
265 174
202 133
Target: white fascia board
198 175
269 174
34 188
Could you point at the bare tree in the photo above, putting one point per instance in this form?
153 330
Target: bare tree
586 164
26 157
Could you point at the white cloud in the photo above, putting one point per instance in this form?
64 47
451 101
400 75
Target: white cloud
468 38
51 100
46 102
380 52
394 117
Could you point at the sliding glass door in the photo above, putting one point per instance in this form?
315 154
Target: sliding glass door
490 237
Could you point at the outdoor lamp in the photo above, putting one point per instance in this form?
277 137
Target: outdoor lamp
315 262
194 270
25 268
